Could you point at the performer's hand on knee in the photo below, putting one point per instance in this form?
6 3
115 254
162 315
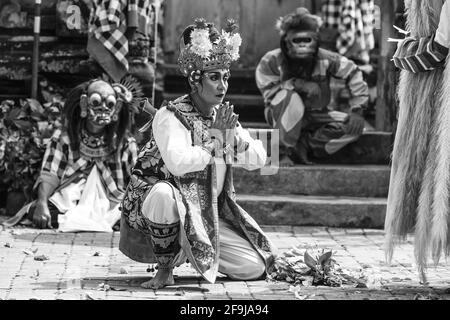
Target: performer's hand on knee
41 216
308 89
355 125
312 90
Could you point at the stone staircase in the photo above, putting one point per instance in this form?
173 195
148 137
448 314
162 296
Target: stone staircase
321 195
347 190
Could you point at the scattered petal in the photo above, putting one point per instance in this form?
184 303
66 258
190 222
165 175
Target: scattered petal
88 296
42 257
103 287
117 289
123 270
361 285
28 252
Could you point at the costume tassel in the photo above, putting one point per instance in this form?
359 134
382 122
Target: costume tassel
423 224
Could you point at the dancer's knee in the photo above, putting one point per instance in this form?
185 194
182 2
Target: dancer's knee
159 206
250 270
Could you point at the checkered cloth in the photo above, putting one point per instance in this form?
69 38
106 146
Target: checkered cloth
355 21
61 162
109 22
419 55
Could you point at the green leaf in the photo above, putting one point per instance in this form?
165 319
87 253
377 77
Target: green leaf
36 116
310 261
22 124
14 114
325 257
35 106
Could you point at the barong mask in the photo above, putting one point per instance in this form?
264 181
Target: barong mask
104 109
299 33
203 48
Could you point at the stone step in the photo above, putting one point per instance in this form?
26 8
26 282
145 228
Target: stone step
315 211
372 148
318 180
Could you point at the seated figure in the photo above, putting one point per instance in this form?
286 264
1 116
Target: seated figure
180 204
295 83
87 163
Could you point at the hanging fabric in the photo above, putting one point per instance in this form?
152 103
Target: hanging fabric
354 21
112 24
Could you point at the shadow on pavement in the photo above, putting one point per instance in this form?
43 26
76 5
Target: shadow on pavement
182 285
78 239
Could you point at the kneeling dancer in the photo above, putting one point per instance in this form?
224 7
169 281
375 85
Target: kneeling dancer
181 203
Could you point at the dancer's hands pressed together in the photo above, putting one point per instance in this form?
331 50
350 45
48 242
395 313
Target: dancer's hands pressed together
225 121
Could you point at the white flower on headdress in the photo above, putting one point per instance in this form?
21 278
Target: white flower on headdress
235 42
200 43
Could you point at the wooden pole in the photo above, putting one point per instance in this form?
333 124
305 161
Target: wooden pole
35 58
386 86
155 53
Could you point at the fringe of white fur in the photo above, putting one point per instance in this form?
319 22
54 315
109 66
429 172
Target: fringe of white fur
440 209
431 139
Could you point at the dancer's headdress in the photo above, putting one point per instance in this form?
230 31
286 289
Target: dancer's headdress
203 48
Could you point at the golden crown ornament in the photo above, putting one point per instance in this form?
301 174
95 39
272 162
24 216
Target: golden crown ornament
209 49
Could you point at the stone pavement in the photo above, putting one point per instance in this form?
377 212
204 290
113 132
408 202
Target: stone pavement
90 266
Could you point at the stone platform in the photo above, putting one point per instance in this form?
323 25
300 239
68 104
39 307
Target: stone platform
89 266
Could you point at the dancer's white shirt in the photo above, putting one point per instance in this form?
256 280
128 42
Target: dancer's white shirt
181 157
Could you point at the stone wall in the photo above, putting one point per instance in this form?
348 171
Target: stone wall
62 43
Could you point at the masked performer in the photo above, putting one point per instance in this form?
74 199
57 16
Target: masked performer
295 83
87 164
419 196
181 202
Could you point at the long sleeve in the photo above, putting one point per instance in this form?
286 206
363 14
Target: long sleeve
343 68
419 55
426 53
55 157
254 156
268 76
54 162
175 144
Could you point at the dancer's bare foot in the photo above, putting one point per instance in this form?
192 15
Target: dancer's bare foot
164 277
